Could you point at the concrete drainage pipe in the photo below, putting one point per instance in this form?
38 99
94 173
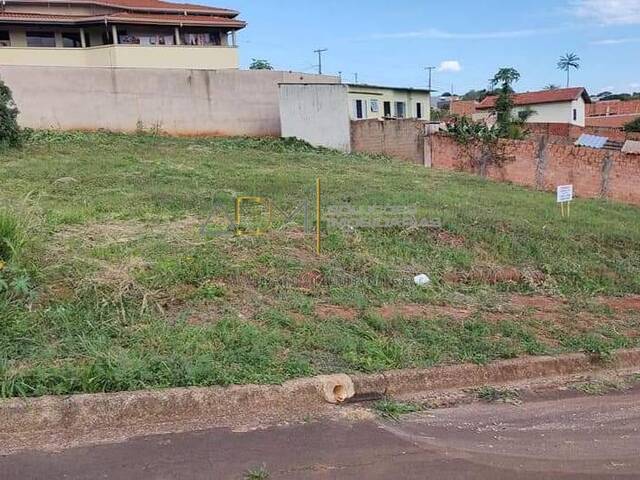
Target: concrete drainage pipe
336 388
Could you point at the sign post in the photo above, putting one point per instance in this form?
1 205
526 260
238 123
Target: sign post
565 197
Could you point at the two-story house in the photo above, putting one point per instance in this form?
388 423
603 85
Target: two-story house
117 33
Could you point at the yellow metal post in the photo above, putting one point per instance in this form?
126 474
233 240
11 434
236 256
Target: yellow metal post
318 216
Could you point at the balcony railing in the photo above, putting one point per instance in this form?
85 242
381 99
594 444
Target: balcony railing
132 56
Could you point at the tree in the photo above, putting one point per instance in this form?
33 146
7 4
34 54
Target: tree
260 64
477 95
504 78
551 86
567 62
633 126
504 103
9 129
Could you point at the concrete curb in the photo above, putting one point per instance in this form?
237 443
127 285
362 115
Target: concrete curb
61 418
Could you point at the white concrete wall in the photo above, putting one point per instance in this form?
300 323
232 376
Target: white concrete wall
581 110
368 94
561 112
190 102
318 114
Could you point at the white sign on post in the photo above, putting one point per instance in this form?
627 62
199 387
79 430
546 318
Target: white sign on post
565 197
565 193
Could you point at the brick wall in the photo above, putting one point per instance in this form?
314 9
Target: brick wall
544 165
611 121
566 133
464 107
613 107
402 139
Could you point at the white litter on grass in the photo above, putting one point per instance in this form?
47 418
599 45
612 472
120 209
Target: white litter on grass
422 280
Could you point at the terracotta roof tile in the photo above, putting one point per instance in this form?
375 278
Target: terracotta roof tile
129 17
177 19
535 98
146 5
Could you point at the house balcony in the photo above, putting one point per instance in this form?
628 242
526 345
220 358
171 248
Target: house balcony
125 56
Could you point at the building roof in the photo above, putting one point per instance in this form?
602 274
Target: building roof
536 98
123 17
151 12
387 87
142 5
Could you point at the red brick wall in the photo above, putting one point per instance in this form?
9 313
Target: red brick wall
612 121
396 138
464 107
594 173
613 107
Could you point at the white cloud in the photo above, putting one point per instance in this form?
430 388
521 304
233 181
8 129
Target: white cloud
608 12
634 85
437 34
616 41
450 66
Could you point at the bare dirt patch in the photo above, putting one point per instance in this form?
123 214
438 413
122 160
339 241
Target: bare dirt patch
326 312
495 275
621 304
310 281
414 311
443 237
537 302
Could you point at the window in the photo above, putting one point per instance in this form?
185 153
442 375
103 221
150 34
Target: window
401 110
375 106
359 109
5 41
418 110
71 40
387 109
575 115
41 39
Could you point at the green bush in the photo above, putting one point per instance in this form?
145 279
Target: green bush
9 129
633 126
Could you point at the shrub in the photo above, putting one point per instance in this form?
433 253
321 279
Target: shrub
9 129
633 126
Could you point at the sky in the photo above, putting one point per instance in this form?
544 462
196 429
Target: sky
391 42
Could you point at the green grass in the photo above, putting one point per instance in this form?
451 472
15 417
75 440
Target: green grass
114 288
260 473
492 395
393 410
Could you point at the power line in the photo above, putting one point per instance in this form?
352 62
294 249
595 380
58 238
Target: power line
320 52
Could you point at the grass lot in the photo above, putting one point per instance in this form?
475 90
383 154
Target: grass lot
108 284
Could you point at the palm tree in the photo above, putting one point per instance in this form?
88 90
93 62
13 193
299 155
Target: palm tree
567 62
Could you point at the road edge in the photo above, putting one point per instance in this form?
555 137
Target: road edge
34 422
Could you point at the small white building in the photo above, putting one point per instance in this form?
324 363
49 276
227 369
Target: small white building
321 114
563 105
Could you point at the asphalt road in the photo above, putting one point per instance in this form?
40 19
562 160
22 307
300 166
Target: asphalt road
562 438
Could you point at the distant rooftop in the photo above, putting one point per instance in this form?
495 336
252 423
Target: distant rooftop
387 87
543 96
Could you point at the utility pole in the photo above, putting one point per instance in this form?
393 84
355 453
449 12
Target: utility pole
320 52
356 77
430 69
